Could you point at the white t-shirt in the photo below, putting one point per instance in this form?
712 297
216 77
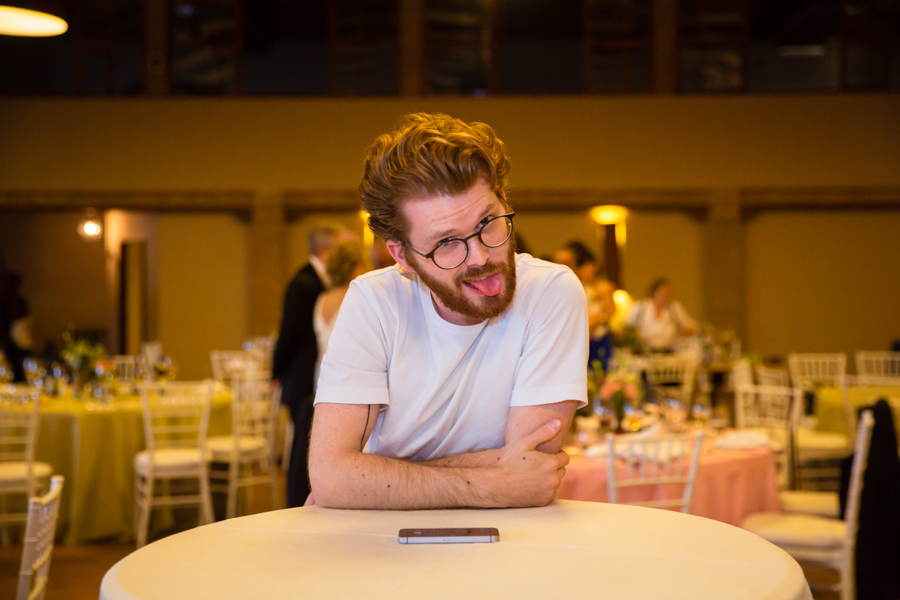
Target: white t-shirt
445 388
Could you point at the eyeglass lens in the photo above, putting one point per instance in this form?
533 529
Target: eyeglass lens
494 234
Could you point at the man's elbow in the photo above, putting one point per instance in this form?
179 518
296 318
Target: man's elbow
324 481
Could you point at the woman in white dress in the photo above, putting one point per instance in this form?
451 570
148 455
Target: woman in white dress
346 261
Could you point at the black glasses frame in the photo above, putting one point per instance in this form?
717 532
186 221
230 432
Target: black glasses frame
465 241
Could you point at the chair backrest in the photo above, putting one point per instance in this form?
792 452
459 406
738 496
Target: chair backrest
772 376
814 370
40 530
878 364
865 390
741 373
125 367
19 419
655 460
677 371
857 469
230 364
769 407
255 404
176 414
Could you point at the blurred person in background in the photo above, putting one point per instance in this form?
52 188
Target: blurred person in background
18 326
659 319
599 294
346 261
379 255
297 353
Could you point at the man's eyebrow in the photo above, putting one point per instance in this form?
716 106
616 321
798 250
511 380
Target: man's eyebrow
449 232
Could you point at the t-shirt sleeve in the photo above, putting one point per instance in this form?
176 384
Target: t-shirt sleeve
354 368
553 365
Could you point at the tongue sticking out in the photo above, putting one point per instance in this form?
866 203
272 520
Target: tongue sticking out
489 286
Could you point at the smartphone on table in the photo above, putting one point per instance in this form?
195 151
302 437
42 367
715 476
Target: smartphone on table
450 535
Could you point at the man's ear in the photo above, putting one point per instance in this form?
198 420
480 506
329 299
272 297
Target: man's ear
398 253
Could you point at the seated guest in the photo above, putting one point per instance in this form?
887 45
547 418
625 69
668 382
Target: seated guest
599 295
448 381
660 319
346 261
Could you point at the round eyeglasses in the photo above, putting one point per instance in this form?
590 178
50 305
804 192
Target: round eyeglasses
450 253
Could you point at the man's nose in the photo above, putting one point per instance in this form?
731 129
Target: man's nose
478 253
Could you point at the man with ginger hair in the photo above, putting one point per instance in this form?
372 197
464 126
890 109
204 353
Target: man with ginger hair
450 378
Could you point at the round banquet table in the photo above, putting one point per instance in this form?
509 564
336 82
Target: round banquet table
566 550
92 444
730 484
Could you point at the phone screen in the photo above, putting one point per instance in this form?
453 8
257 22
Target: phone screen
458 535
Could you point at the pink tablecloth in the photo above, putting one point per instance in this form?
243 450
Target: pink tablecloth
731 484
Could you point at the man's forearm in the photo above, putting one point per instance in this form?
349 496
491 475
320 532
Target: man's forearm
359 480
479 458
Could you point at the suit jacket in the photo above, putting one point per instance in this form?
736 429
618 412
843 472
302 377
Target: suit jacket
294 360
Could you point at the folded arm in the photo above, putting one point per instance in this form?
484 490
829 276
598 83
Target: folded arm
525 472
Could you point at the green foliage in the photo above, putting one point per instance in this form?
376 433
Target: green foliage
81 355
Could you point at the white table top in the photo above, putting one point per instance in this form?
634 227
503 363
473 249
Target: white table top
568 549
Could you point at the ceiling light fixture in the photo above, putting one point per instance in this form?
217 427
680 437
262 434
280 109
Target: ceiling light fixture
90 227
32 18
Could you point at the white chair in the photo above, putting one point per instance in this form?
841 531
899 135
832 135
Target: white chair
151 353
878 364
772 376
227 365
126 368
262 348
251 445
672 378
772 411
655 460
176 419
20 474
825 542
741 373
810 371
40 530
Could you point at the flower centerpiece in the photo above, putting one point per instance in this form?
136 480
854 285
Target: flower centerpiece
81 357
622 389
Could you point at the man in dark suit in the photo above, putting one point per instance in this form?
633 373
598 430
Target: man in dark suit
294 361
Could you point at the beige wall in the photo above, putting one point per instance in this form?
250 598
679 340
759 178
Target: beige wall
202 288
665 244
64 274
823 282
612 142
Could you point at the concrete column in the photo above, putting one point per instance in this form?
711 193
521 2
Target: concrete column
412 48
266 263
724 270
665 59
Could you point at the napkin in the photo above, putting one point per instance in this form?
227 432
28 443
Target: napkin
745 438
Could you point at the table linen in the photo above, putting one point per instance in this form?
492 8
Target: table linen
93 444
566 550
730 484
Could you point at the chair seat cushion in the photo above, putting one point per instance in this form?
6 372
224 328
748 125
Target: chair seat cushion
797 530
170 462
220 447
822 504
817 444
14 474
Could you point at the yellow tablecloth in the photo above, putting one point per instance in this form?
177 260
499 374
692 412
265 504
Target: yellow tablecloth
831 415
93 445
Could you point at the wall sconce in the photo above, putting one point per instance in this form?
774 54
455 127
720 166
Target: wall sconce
90 228
610 217
32 18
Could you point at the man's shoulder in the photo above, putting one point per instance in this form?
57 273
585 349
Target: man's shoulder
534 275
390 283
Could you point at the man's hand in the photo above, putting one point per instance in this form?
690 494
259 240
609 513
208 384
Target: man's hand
529 476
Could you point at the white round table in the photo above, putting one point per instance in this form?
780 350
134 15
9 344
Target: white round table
566 550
